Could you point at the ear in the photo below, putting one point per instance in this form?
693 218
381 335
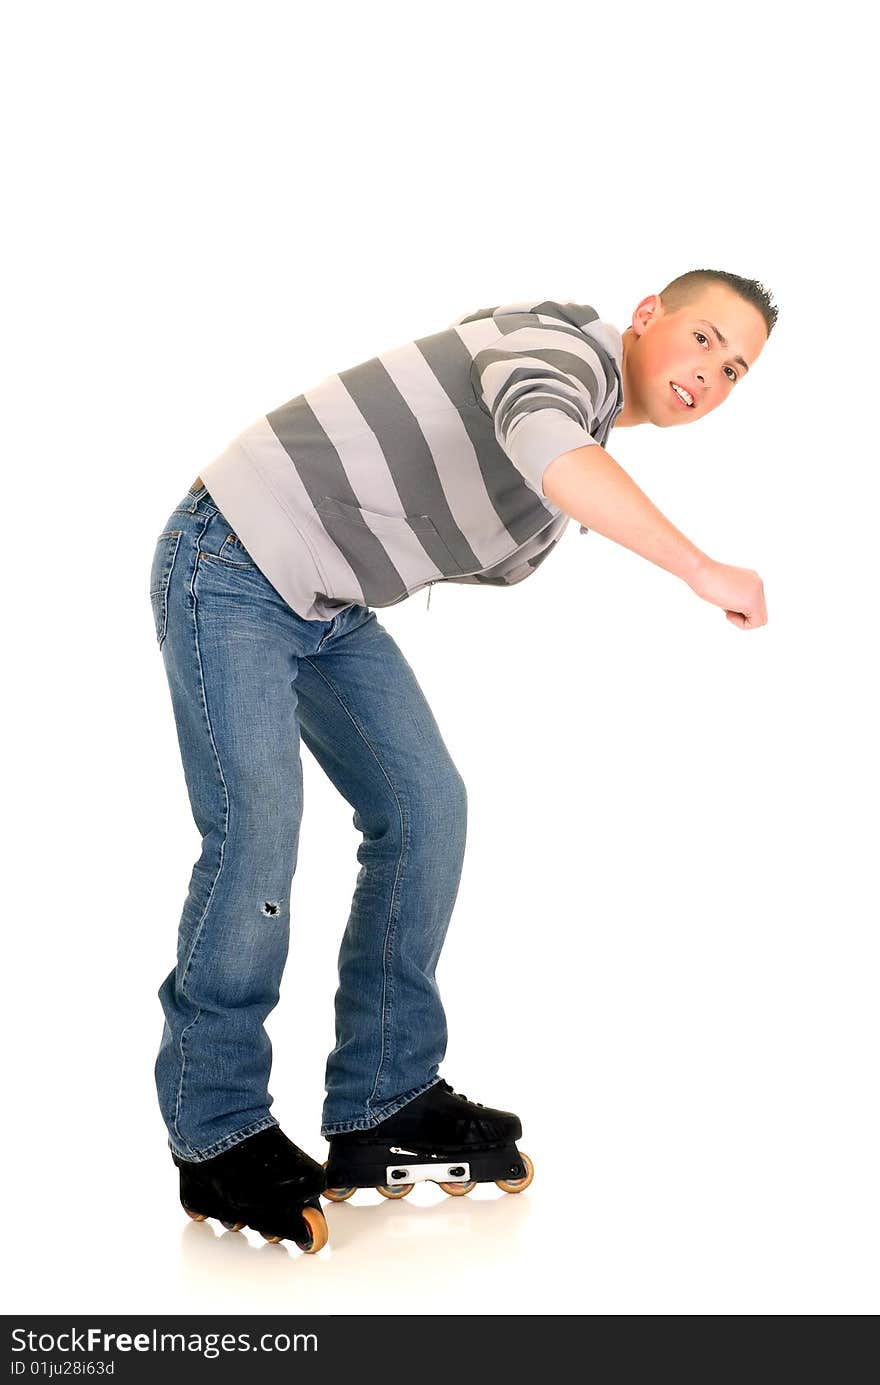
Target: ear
647 310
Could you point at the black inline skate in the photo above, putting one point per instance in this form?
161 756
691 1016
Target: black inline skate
441 1137
264 1182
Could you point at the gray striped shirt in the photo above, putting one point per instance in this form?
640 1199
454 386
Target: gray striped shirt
423 464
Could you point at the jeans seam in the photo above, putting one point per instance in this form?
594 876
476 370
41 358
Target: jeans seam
388 943
227 1141
199 930
390 1109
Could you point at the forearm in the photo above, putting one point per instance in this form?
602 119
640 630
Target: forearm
590 486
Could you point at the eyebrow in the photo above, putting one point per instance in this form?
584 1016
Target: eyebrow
723 340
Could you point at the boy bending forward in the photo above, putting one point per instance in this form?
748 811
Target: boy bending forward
458 457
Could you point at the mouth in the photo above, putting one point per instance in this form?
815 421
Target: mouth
683 396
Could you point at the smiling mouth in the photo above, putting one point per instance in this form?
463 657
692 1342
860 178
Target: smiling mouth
684 397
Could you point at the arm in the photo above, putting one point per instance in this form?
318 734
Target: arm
589 485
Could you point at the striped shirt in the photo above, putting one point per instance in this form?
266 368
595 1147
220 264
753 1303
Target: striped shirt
423 464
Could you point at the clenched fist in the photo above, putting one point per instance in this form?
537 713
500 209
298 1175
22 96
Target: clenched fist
738 590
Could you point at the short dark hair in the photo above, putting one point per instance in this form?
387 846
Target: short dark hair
686 287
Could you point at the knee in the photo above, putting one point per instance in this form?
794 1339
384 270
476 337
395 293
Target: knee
451 792
429 802
440 803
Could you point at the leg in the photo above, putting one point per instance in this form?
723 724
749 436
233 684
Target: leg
366 721
231 648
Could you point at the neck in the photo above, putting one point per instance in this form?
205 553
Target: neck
631 415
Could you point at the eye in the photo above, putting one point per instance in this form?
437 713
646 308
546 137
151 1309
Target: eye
733 375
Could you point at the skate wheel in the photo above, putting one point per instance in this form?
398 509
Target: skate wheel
233 1225
399 1190
317 1231
196 1216
458 1189
314 1228
516 1185
337 1194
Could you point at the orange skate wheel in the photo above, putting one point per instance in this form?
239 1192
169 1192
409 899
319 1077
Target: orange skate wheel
314 1220
316 1228
337 1194
458 1189
516 1185
399 1190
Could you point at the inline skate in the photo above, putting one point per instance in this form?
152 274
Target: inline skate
264 1182
440 1137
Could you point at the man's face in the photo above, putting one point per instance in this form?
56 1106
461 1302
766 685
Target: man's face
682 348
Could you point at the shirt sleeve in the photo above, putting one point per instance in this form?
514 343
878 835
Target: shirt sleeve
543 385
501 308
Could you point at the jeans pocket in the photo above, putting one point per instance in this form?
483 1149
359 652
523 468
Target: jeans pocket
160 576
233 551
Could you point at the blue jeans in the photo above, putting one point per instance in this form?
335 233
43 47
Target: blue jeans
248 676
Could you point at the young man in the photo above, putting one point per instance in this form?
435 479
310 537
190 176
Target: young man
457 457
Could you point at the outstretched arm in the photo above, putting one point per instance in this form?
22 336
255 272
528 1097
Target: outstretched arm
588 484
591 487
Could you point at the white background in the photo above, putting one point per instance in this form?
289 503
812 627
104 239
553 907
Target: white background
664 953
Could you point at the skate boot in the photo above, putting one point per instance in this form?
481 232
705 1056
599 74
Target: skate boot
441 1137
264 1182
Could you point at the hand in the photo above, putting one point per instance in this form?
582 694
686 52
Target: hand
738 590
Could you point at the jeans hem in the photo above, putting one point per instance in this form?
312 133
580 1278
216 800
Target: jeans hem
219 1146
370 1122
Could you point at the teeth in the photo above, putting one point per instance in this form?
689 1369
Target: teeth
683 394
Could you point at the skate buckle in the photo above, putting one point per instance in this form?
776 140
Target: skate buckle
456 1172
